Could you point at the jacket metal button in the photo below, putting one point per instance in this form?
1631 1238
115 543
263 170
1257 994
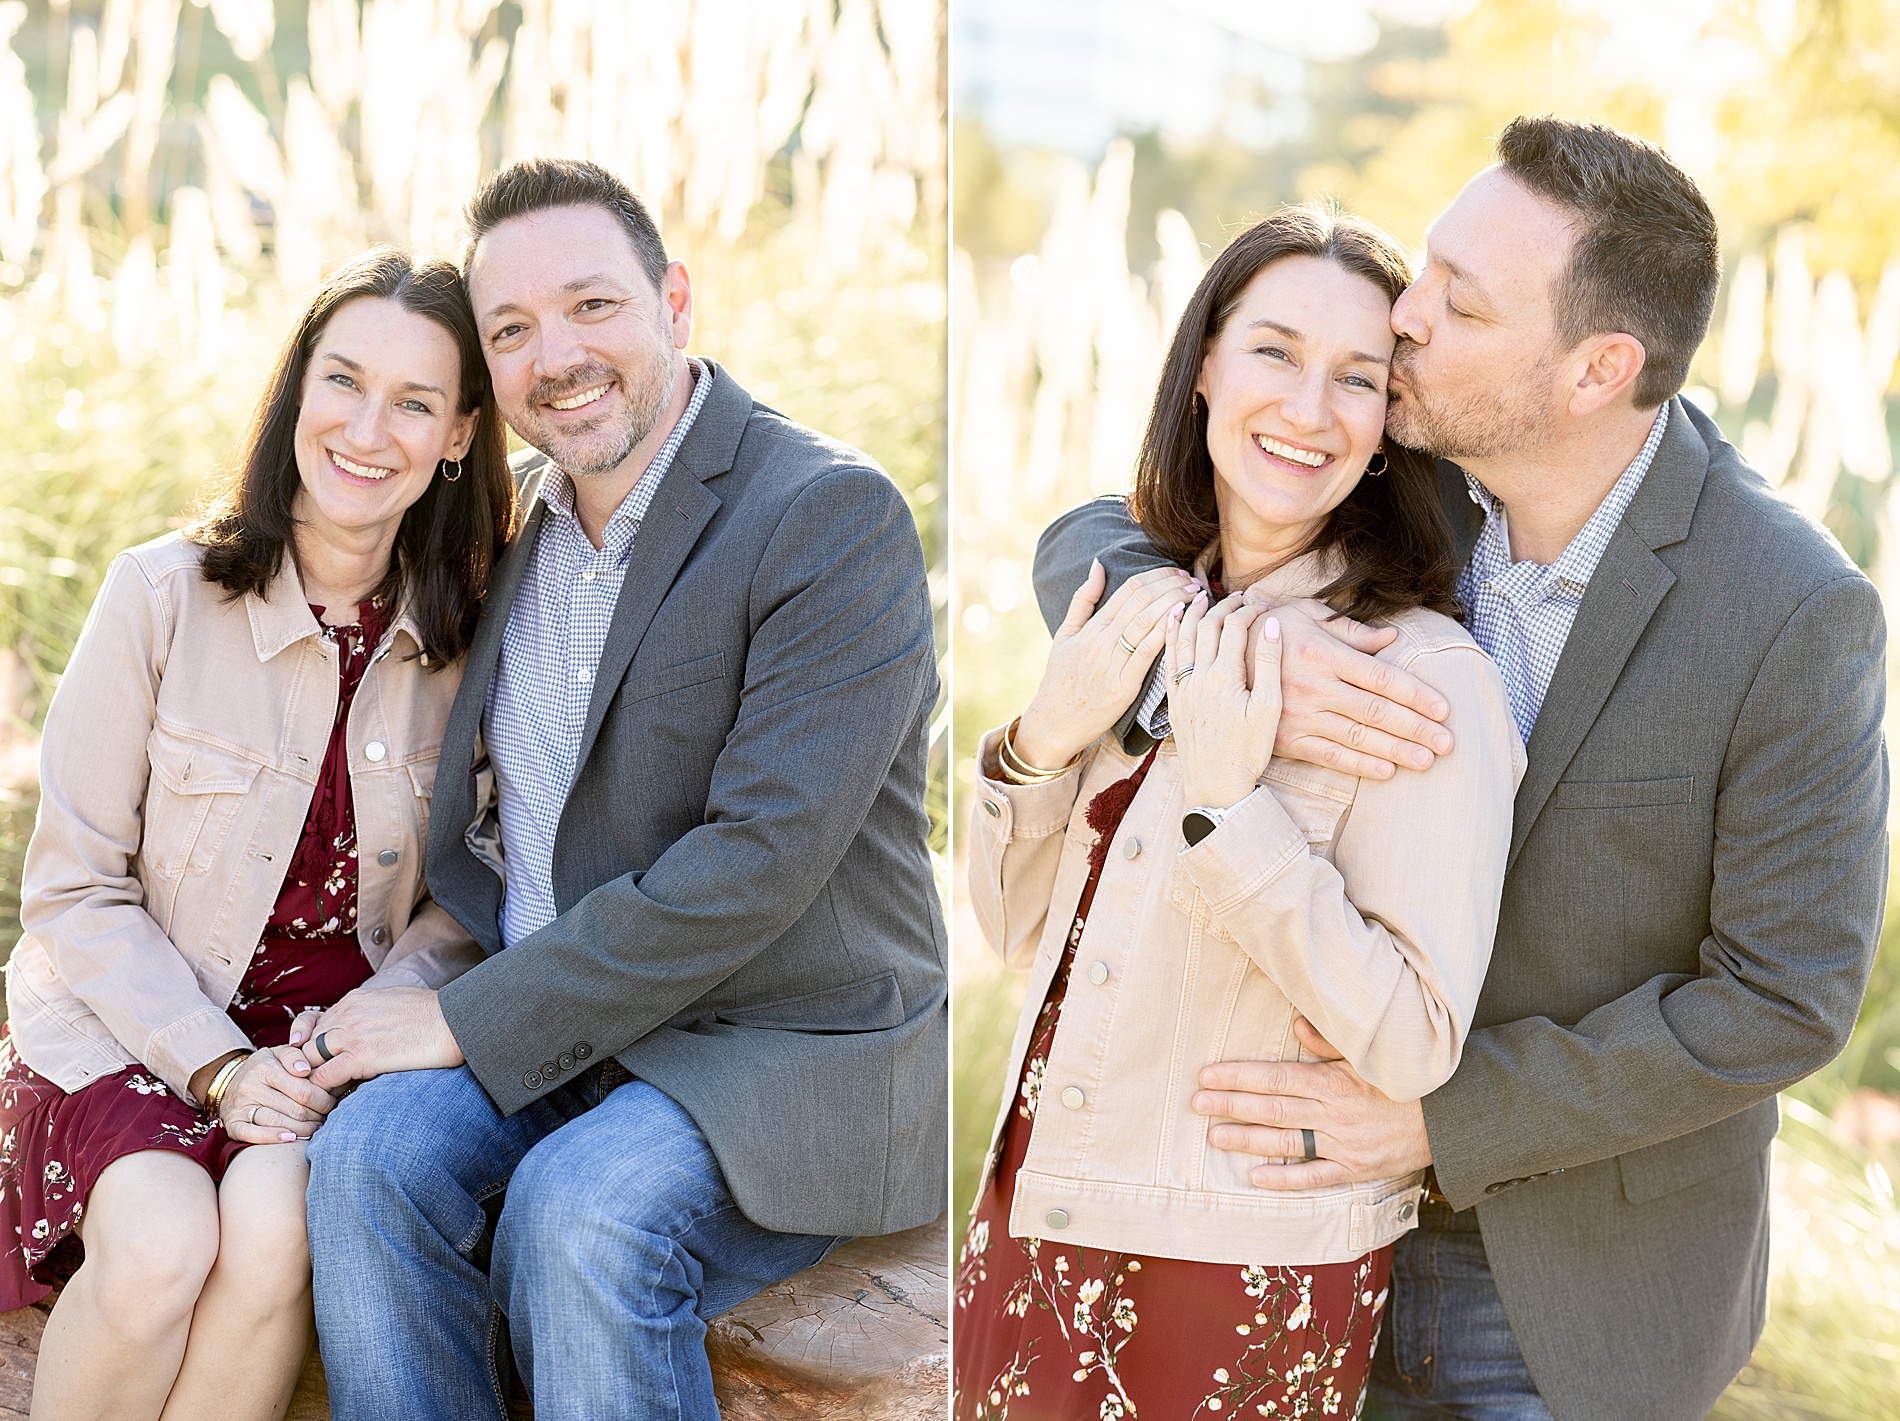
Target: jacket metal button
532 1080
1405 1211
387 858
1072 1097
1098 972
1058 1218
583 1051
375 751
380 936
990 806
1130 847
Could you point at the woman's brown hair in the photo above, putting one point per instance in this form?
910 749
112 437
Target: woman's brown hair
1390 532
450 538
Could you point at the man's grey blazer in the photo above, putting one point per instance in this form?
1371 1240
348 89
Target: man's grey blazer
1697 872
748 918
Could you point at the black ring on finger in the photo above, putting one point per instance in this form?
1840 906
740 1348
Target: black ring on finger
1312 1145
322 1050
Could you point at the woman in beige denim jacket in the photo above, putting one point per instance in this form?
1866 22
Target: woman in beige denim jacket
196 761
1116 1259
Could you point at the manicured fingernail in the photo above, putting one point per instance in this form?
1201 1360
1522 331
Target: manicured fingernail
286 1136
1179 608
302 1068
1273 628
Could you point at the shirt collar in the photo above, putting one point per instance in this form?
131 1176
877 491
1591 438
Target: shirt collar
1577 564
557 488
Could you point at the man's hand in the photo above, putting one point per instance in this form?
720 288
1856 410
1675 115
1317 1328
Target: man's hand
1345 710
1360 1133
374 1031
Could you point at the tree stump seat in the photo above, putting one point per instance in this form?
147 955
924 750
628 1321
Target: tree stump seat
863 1334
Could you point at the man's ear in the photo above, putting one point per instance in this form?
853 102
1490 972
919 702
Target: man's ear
676 294
1605 367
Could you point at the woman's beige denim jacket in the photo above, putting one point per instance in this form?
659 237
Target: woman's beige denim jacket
179 761
1366 906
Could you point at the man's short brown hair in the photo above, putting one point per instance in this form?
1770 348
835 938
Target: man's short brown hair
536 184
1647 259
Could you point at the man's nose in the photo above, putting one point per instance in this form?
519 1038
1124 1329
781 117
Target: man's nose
1408 316
558 351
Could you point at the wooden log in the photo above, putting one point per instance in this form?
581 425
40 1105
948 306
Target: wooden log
862 1335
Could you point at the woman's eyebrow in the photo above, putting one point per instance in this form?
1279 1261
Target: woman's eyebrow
1363 357
349 364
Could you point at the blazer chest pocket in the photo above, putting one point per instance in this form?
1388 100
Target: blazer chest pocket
644 686
1624 794
193 798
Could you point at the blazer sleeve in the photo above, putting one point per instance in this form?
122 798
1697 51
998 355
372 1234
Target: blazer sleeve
1383 949
80 894
1800 869
1016 838
839 670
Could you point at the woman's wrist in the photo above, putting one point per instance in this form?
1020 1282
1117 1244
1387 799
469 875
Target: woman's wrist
1033 748
206 1076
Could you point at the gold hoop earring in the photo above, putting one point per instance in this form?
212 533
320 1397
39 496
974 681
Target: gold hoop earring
449 478
1377 464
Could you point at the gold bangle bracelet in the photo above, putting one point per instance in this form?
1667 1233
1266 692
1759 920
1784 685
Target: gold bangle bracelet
1020 770
214 1093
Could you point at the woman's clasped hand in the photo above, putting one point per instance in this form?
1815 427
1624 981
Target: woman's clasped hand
271 1099
1099 662
1223 665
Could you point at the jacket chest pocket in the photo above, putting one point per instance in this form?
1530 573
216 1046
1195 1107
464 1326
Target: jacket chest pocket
194 797
1317 809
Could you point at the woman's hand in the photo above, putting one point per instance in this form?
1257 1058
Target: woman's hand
271 1100
1092 677
1223 696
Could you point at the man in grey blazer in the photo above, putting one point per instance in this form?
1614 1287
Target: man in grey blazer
680 804
1699 858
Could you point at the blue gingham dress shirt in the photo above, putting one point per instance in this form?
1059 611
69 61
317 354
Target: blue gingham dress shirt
1519 612
544 677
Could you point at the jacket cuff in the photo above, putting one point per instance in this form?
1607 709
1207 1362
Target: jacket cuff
1252 846
174 1053
1015 811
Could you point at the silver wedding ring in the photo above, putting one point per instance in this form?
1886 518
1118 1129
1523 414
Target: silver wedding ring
253 1119
1185 672
1312 1145
1122 642
322 1050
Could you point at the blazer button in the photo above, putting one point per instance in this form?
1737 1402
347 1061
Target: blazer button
1098 972
387 858
549 1070
380 936
532 1080
1072 1097
582 1051
566 1063
1058 1218
1131 846
374 751
989 807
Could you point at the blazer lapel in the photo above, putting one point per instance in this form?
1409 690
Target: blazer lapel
678 515
1624 593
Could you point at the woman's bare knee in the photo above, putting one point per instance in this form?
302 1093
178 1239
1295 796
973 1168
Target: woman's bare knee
151 1234
263 1242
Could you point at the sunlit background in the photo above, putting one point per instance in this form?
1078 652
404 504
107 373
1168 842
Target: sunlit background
1106 149
176 177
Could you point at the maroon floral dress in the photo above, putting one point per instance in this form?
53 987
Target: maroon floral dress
53 1146
1063 1333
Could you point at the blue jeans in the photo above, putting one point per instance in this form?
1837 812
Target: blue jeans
1447 1352
617 1240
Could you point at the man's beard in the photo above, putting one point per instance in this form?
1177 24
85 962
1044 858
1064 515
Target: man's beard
604 444
1496 420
